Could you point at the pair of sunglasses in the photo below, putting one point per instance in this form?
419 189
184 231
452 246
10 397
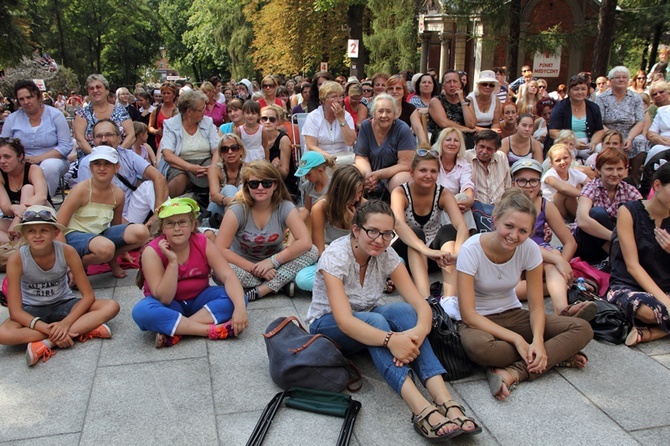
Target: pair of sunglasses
267 184
232 148
44 215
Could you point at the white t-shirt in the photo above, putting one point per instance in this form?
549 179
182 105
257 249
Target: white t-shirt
494 295
575 177
328 136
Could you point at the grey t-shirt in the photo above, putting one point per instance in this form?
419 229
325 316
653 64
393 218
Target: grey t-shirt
39 287
399 138
253 243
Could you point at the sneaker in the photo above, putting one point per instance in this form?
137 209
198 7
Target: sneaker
252 295
37 350
289 289
102 331
221 331
163 340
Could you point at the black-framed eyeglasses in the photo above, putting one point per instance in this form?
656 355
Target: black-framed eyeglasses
44 215
232 148
424 152
170 224
267 184
373 234
268 118
486 84
523 182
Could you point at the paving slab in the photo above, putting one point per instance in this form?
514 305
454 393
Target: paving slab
653 437
624 383
53 440
168 402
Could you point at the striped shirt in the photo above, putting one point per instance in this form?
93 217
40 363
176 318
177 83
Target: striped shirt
490 181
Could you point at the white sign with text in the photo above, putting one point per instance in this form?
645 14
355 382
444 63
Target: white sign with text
547 64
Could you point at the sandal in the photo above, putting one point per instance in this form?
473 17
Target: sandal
444 408
389 287
571 361
635 336
496 383
429 431
583 310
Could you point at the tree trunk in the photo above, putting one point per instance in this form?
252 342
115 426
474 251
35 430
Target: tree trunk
603 44
658 32
514 37
355 23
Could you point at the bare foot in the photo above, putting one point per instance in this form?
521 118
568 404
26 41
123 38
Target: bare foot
117 271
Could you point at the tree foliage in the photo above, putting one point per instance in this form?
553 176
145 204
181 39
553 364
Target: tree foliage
393 40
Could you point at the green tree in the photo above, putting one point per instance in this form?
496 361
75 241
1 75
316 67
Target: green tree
15 34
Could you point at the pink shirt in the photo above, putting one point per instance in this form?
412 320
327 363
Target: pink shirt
192 276
217 113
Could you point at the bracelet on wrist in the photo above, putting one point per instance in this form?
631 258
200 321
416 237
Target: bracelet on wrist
274 261
34 321
387 339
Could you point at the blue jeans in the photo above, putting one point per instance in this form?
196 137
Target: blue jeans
398 317
151 315
228 191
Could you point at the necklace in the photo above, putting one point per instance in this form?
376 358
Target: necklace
495 259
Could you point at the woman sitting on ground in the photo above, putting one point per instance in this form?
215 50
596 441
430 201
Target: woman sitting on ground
518 345
640 260
346 307
425 243
252 233
509 118
175 272
522 145
225 176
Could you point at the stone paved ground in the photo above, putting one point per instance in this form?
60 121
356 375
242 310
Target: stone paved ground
123 391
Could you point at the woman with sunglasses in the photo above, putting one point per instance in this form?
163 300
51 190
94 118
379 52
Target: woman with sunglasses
279 144
639 82
346 306
174 274
426 244
269 85
484 103
252 233
225 176
658 115
22 185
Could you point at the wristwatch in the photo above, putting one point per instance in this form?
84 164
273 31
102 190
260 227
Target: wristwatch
343 123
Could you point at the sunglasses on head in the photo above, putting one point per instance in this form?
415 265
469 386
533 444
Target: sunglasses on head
268 118
43 215
424 152
267 184
231 148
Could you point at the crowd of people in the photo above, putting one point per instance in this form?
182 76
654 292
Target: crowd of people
347 189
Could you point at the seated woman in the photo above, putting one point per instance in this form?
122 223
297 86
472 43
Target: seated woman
508 120
659 132
23 185
252 233
235 115
543 111
332 215
396 87
93 214
329 129
484 102
279 147
598 205
640 260
346 307
225 176
384 148
556 262
174 274
425 243
522 145
529 95
562 184
189 139
518 345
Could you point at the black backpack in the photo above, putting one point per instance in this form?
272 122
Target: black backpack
609 323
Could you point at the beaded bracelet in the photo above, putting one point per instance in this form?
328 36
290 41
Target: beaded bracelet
387 339
274 261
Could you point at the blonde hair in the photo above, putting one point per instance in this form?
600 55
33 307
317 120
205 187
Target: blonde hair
237 140
328 88
443 134
265 170
565 135
515 200
557 148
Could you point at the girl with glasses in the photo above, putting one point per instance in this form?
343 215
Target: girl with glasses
425 243
517 344
225 176
174 274
253 229
346 306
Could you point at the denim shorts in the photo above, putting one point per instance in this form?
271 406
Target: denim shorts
54 312
80 240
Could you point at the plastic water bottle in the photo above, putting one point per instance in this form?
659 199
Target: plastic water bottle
580 284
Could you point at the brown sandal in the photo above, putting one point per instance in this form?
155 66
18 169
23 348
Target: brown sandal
571 361
429 431
444 408
636 335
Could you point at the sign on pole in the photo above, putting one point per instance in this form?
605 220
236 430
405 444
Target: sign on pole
546 64
40 84
323 66
352 48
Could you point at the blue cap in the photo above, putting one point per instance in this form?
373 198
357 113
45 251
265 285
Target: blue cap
309 160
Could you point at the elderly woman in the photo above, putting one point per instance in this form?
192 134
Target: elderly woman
484 103
396 86
99 108
660 95
189 139
425 89
123 99
43 132
623 110
578 114
214 109
384 148
329 129
450 109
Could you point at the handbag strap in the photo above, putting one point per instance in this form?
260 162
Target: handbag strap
283 324
355 377
307 344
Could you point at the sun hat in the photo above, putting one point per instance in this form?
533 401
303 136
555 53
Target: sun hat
527 163
487 76
106 153
178 206
39 215
309 160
